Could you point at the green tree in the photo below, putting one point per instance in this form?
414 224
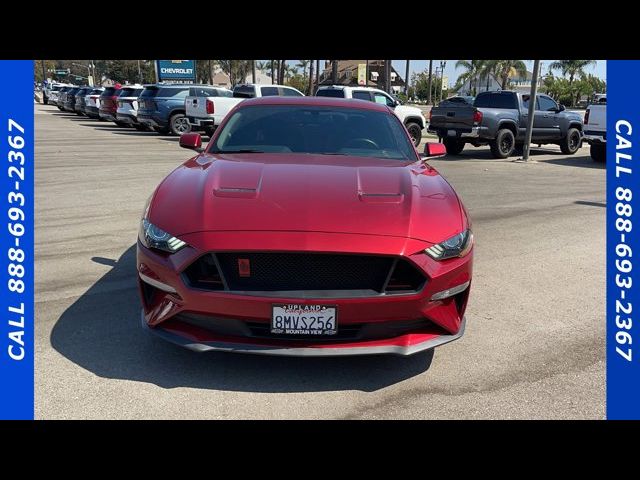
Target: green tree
420 86
303 64
297 81
573 68
506 68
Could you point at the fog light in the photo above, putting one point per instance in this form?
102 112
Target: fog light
450 292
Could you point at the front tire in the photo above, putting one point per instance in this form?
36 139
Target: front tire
598 153
504 144
179 124
415 132
571 143
453 146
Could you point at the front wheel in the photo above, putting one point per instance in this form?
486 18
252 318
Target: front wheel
599 153
504 144
571 143
179 124
415 132
453 146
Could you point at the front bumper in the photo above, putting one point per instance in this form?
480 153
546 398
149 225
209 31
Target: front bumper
172 303
403 345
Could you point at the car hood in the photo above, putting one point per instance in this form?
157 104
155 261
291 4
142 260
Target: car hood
409 111
307 193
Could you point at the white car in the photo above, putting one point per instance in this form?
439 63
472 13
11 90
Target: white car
92 103
50 92
411 117
595 130
210 105
127 103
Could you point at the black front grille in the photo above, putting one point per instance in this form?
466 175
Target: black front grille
309 272
304 271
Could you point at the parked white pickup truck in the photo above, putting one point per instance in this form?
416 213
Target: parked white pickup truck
205 111
595 130
411 117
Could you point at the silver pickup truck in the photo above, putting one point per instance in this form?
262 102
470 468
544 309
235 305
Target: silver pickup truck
595 130
499 119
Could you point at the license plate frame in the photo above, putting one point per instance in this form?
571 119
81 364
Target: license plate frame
309 320
451 133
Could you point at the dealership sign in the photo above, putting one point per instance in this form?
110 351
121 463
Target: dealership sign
182 71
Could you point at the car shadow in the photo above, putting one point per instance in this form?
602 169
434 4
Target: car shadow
583 161
101 332
484 153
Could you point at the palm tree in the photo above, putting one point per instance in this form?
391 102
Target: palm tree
488 69
290 71
572 68
471 73
506 68
303 64
310 91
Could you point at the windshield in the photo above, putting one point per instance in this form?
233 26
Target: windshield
317 130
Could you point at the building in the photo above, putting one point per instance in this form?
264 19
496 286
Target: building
221 79
348 74
518 83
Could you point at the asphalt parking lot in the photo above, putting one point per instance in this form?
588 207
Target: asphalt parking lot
533 348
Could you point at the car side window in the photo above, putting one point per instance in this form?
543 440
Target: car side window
290 92
383 99
525 102
269 91
547 104
361 95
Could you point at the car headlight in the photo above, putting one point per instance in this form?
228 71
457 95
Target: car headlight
153 237
457 246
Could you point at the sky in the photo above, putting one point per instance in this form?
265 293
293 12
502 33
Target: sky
416 66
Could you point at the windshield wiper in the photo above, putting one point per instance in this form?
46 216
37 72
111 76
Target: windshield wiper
245 150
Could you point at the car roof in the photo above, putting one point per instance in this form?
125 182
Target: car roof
342 87
316 102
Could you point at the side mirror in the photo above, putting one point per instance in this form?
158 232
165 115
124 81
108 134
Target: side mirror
561 108
192 141
433 149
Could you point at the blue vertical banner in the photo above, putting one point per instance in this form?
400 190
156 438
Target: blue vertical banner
623 242
16 240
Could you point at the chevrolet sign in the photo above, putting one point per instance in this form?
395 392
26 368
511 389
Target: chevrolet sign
176 70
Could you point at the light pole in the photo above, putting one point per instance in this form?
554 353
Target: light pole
443 63
435 97
139 73
429 82
532 103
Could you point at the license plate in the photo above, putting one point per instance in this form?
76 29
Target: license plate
294 319
451 133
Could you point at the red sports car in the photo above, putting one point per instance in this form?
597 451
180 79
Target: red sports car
307 226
